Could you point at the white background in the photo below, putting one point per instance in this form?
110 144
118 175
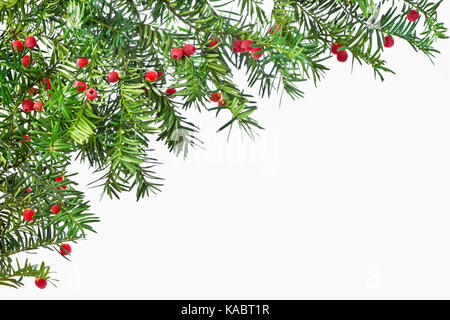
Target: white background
344 195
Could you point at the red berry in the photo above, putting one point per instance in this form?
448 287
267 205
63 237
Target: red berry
214 41
32 90
342 56
59 179
171 91
91 94
413 15
237 46
46 81
275 27
160 74
17 45
255 54
26 61
38 106
27 138
56 209
28 214
388 42
112 77
82 62
188 49
27 105
80 85
216 97
177 53
30 42
65 249
335 47
29 189
151 76
246 45
40 283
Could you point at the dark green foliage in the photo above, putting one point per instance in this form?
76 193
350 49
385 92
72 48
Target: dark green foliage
117 133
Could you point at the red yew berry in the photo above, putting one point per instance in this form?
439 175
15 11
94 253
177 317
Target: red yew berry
275 27
27 105
335 47
17 46
151 76
91 94
214 41
82 62
60 178
237 46
26 138
30 42
46 82
170 92
188 49
413 15
216 97
26 61
28 214
40 283
38 106
255 54
342 56
80 85
56 209
160 75
29 190
32 91
113 77
177 53
65 249
246 45
388 42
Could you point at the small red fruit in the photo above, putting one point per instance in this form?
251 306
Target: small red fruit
30 42
214 41
188 49
57 179
275 27
342 56
82 62
80 85
46 81
237 46
388 42
26 61
27 105
413 15
17 45
177 53
255 54
65 249
216 97
91 94
113 77
160 74
246 45
151 76
335 47
38 106
32 91
28 214
56 209
170 92
27 138
40 283
29 189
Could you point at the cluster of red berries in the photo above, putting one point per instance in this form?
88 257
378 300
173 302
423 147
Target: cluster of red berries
242 46
217 97
80 86
187 50
30 43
